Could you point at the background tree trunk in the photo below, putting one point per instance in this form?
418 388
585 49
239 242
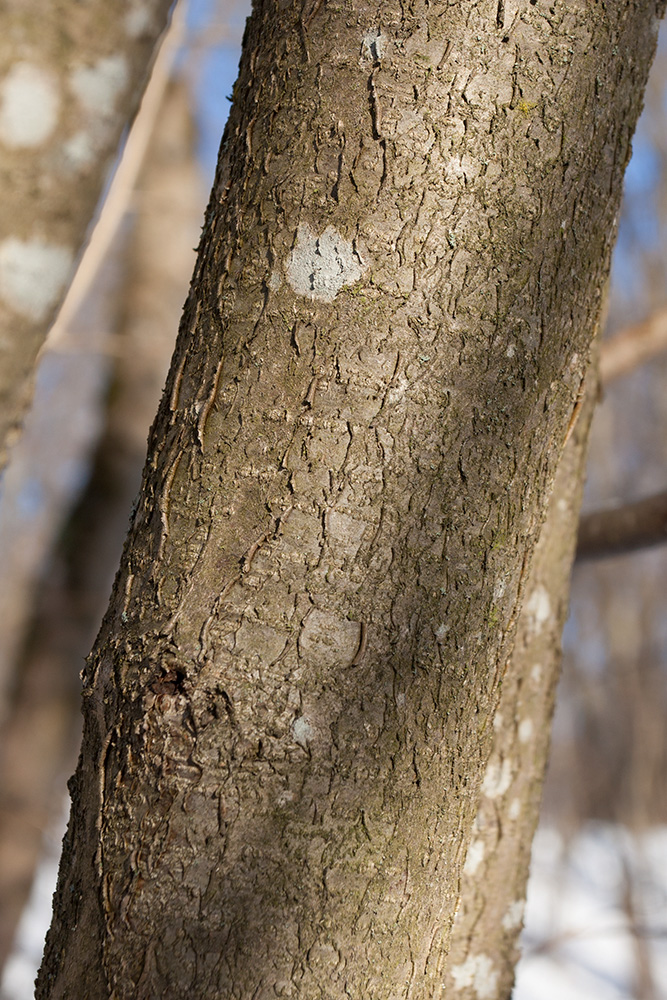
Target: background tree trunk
71 75
39 738
484 949
289 708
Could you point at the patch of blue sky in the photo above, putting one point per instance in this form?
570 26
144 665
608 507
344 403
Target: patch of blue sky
217 71
639 228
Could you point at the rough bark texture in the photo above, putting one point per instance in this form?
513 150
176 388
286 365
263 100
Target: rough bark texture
485 940
71 75
289 708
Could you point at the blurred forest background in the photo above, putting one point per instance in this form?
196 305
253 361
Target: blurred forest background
66 497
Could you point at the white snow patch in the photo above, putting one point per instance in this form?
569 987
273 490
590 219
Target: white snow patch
538 609
302 731
477 971
32 275
514 915
373 47
29 104
526 728
474 857
578 941
497 779
97 87
319 266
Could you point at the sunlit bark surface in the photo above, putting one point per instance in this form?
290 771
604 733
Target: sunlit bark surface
290 706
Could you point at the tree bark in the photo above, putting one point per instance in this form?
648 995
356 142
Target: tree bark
71 75
485 939
288 712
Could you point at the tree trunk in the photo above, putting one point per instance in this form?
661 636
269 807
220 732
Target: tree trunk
71 75
289 709
39 740
484 948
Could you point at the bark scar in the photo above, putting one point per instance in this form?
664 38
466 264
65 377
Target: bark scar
376 110
310 395
361 648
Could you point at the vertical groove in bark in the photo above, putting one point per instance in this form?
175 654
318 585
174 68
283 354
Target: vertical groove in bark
71 75
484 948
289 707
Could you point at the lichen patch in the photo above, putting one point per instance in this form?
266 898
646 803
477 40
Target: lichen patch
98 87
79 150
538 609
474 857
497 779
525 731
302 731
373 47
32 275
319 266
138 20
29 106
479 973
514 915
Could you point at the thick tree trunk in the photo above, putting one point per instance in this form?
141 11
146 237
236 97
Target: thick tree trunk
289 709
71 75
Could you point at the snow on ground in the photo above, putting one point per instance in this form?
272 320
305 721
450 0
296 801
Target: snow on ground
585 899
596 914
18 978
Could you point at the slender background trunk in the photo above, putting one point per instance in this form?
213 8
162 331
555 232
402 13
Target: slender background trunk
290 707
71 75
39 738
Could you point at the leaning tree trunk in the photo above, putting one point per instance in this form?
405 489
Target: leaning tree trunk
71 74
290 707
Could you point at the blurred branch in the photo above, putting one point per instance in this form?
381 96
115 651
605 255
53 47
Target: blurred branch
633 346
623 529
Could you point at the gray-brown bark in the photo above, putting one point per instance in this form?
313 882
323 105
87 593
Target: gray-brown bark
71 75
485 938
289 708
